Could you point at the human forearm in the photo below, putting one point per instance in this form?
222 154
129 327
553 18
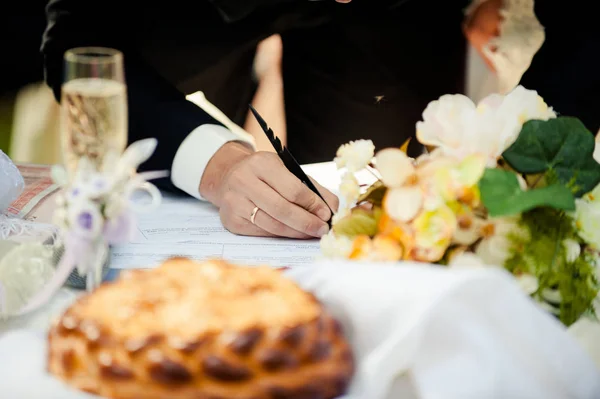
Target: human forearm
269 97
269 101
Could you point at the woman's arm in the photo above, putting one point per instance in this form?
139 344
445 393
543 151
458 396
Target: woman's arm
269 98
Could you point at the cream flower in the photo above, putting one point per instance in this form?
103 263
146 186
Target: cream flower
525 105
445 121
528 283
445 179
355 155
469 228
433 233
496 248
572 250
403 203
394 166
349 188
377 249
333 246
459 128
587 218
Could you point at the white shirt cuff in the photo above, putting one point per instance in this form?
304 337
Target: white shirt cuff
195 152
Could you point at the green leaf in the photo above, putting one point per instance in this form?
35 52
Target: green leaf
563 145
359 222
542 254
502 195
374 194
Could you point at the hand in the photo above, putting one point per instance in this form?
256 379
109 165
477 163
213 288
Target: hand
237 180
483 25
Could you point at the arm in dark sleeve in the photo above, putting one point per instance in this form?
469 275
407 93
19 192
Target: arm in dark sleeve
156 108
566 70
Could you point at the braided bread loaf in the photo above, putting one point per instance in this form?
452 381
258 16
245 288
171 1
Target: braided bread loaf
204 331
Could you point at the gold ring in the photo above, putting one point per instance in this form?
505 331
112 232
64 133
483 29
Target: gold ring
253 214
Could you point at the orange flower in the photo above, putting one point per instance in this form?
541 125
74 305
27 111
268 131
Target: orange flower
399 232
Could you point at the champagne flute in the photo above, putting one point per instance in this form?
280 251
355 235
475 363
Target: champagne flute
93 107
94 123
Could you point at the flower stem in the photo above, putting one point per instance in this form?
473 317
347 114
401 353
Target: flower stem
536 181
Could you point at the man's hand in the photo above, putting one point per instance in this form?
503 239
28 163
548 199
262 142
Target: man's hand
237 180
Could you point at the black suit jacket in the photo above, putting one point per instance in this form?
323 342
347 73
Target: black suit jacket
360 70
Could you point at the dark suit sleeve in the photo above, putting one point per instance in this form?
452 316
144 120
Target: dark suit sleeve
156 108
566 70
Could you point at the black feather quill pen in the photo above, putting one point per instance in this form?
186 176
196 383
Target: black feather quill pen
286 156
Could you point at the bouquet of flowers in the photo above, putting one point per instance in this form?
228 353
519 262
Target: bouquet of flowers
504 183
95 209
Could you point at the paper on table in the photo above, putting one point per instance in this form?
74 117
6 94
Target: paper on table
190 228
330 177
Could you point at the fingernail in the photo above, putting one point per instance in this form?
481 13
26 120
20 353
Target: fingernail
324 214
323 230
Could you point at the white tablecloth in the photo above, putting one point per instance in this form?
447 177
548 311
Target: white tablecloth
368 297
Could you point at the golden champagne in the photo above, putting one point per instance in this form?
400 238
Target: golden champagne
94 120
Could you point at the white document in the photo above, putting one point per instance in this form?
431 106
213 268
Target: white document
189 228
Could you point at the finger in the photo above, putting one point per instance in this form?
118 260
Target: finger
232 219
332 200
240 226
271 225
292 215
291 188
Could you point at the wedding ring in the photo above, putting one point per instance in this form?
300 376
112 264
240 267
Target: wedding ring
253 214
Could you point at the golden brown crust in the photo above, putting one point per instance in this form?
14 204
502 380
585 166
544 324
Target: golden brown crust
202 331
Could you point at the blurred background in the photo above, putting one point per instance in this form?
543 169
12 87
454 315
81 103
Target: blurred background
20 38
29 115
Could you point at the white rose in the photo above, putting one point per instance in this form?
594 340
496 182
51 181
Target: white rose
459 128
445 121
